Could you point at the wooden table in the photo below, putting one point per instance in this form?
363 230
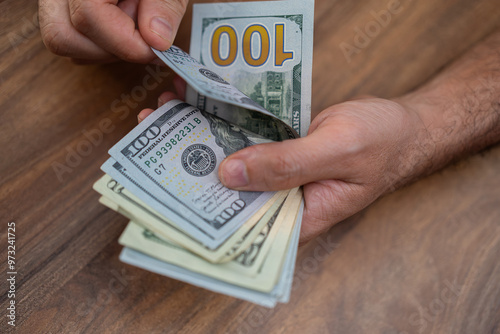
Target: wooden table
422 260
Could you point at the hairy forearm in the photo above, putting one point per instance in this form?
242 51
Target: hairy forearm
459 110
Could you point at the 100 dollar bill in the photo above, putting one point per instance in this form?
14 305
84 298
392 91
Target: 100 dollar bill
171 161
265 50
231 104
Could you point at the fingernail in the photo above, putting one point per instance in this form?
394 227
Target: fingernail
139 119
234 174
162 28
160 102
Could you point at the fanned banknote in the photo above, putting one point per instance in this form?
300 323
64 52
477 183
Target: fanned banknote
249 82
264 49
279 293
229 103
257 268
122 200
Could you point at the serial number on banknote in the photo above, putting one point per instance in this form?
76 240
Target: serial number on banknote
169 145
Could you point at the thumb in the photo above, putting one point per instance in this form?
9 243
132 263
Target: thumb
277 166
159 21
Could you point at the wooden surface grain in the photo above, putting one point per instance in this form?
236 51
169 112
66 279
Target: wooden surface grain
424 259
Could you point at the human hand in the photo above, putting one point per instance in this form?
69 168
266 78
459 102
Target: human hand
107 30
355 152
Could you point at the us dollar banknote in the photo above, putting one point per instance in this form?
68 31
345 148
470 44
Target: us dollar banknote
170 161
265 50
232 104
249 270
120 199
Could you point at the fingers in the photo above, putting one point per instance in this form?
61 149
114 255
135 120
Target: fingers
110 28
329 202
361 97
326 203
143 114
60 37
166 97
105 30
278 166
130 8
79 61
159 21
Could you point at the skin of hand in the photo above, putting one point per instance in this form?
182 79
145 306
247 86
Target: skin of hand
350 157
92 31
343 163
359 150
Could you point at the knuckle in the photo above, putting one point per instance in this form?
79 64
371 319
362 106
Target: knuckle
55 39
132 55
80 15
317 218
128 55
315 197
282 171
44 13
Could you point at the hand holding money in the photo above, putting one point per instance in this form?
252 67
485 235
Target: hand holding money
343 163
338 181
185 223
103 30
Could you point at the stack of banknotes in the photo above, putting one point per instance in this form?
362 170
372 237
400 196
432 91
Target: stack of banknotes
249 82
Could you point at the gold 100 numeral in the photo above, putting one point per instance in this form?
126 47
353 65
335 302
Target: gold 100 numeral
280 54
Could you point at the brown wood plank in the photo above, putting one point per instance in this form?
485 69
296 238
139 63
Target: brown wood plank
421 260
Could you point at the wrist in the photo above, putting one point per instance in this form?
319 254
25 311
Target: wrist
439 126
425 132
